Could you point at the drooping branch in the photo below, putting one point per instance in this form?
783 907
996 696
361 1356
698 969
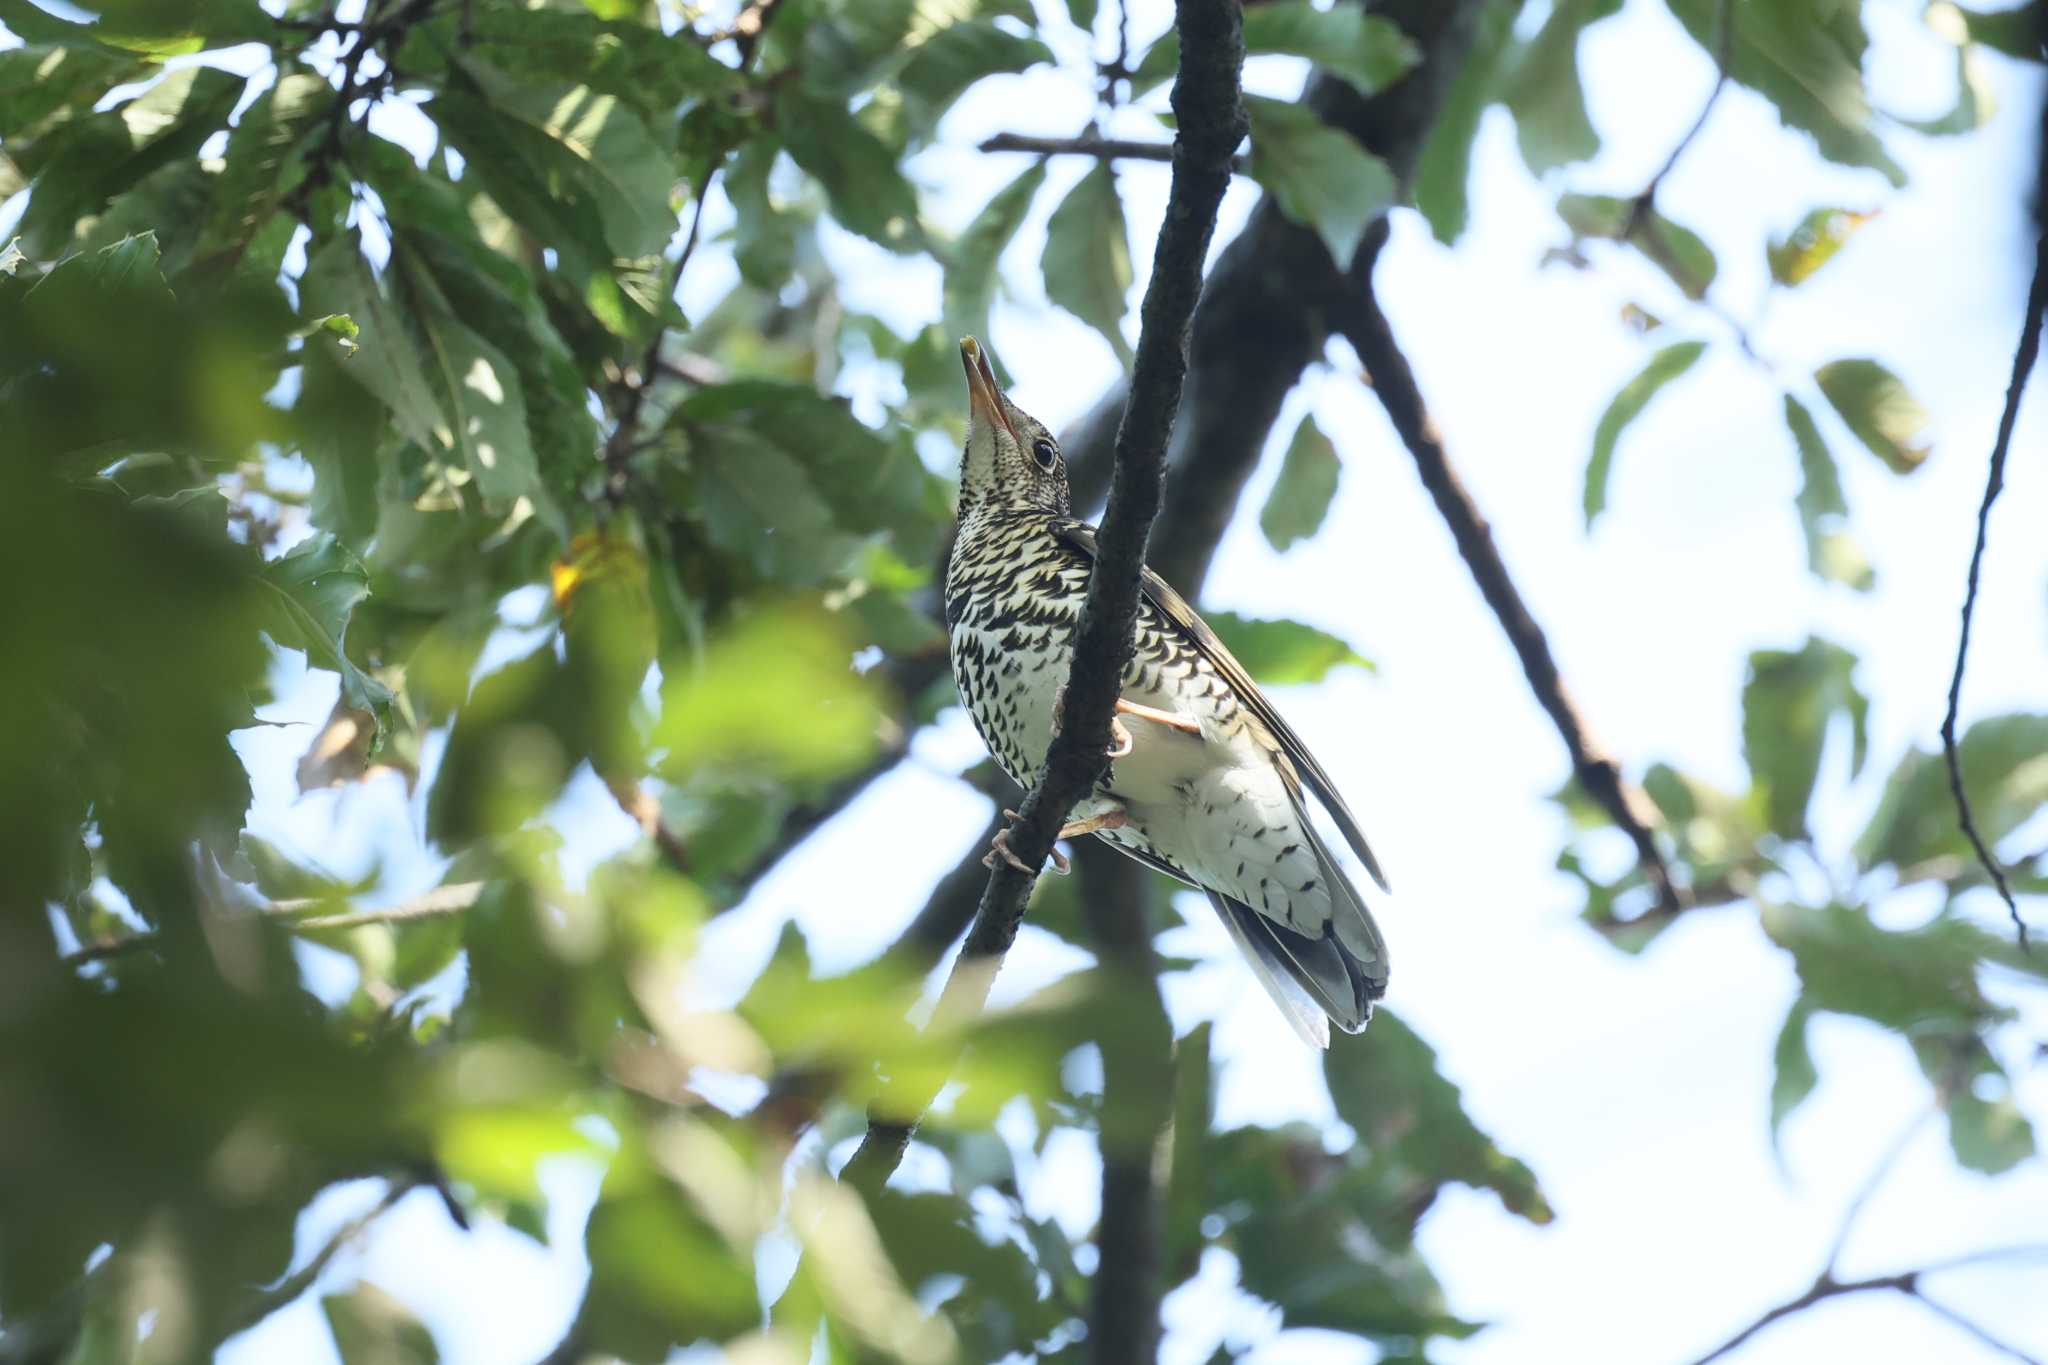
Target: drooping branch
1211 123
1365 326
1100 148
2022 366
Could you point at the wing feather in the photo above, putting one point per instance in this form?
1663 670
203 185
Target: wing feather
1176 609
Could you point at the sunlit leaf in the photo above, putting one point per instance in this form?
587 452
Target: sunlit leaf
2005 768
1544 92
1665 366
316 588
1301 497
1877 406
1811 245
1319 176
1087 260
1787 704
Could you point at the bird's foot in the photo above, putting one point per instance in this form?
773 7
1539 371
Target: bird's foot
1173 720
999 847
1120 741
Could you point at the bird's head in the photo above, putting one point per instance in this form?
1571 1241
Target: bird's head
1011 463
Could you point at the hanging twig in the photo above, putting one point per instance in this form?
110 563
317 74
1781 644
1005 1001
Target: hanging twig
1211 121
2022 366
1101 148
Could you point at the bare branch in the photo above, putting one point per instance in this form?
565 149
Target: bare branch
1365 326
310 914
2022 366
1724 51
281 1295
1211 121
1883 1168
1101 148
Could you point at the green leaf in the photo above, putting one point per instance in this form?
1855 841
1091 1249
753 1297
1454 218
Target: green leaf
1806 58
44 84
1082 12
1909 980
1793 1075
1811 245
1386 1085
81 165
1280 652
972 265
316 588
1301 497
479 388
1319 176
1367 50
661 1276
1823 511
1087 260
1444 170
369 1324
1975 100
860 174
2017 32
942 68
1673 248
765 236
1187 1186
1877 406
1988 1135
2005 771
1544 92
1787 703
263 160
383 358
1665 366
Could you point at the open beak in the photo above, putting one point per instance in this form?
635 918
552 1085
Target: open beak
984 395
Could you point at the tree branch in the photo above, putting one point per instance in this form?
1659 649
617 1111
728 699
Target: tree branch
1365 326
2022 366
310 913
288 1289
1211 122
1101 148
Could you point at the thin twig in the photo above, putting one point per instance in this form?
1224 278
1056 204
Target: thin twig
282 1294
305 914
2022 366
1101 148
1393 382
1209 114
1724 52
1862 1197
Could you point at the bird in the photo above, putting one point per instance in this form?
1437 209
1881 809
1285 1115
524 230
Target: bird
1206 782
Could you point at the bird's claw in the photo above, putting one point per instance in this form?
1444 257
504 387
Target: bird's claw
1121 742
1000 847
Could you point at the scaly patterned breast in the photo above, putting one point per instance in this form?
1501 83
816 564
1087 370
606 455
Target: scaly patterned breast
1013 596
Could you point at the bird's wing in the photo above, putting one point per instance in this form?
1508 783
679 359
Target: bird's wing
1176 609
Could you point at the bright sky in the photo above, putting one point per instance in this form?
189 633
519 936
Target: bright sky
1637 1089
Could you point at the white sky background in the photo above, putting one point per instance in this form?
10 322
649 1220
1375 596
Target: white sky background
1636 1089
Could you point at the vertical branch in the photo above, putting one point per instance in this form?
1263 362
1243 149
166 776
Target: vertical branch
1209 113
1117 895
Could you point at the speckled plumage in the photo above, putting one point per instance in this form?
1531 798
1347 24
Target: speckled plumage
1215 799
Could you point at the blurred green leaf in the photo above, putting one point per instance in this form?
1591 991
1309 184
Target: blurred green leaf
1301 497
1368 50
1876 405
1986 1130
2017 32
1674 249
777 693
2005 771
1387 1087
1319 176
1187 1188
1811 245
369 1324
972 265
1975 102
264 160
661 1276
1793 1075
1908 980
1544 93
1665 366
1280 652
1087 260
1082 13
942 67
1787 703
766 239
317 586
859 172
1823 512
1806 58
1444 170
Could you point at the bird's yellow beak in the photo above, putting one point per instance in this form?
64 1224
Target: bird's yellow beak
984 395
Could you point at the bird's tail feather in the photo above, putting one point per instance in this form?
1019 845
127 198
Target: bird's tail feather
1315 982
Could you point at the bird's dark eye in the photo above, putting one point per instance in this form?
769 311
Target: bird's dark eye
1045 453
